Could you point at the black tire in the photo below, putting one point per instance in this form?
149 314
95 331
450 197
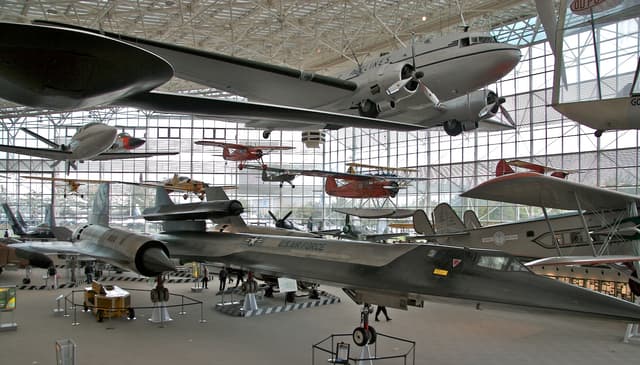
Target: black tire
360 336
100 315
368 109
26 281
372 335
598 133
452 127
1 270
131 313
266 134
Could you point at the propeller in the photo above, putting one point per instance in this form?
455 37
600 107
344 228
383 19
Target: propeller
282 222
412 79
494 104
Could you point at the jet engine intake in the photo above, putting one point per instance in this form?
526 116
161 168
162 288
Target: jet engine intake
130 250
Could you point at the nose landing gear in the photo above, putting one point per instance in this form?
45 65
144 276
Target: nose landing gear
364 334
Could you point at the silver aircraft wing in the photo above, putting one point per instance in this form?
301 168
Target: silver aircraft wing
123 155
256 80
37 152
248 111
532 188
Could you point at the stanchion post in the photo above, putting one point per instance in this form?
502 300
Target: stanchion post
75 318
182 312
202 320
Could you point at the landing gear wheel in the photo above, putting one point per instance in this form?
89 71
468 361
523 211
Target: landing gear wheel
266 134
100 315
131 313
185 196
372 335
598 133
452 127
360 336
26 281
368 109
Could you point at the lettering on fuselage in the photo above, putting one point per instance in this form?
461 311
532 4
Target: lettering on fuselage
635 101
302 245
369 66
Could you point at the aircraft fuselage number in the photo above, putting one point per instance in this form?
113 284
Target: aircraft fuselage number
635 101
302 245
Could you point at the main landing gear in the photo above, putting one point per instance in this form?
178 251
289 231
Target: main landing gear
266 134
364 334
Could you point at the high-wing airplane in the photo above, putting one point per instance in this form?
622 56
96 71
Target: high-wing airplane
416 87
41 231
609 98
383 183
393 275
505 167
243 153
93 141
72 186
616 212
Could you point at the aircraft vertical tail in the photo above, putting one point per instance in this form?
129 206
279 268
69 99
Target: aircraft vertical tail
162 197
503 168
421 223
446 220
49 215
217 193
20 219
471 220
100 209
15 224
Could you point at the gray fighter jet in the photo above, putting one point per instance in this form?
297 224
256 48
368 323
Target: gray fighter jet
398 275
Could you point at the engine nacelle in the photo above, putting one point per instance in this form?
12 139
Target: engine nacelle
134 251
376 100
462 113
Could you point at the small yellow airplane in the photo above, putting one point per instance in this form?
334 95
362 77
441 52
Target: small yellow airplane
71 185
175 183
184 184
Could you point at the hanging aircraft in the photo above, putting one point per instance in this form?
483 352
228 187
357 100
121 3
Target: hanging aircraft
393 86
598 96
243 153
398 276
72 186
41 231
382 183
180 183
93 141
505 167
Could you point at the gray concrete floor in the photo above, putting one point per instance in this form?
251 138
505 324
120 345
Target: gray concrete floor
444 334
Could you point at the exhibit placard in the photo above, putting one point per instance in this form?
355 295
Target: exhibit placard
287 285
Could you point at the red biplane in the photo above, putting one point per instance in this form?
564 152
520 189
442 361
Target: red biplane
505 167
242 153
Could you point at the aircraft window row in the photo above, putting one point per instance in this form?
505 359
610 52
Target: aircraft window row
464 42
500 263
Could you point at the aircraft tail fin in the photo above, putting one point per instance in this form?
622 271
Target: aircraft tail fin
215 193
20 219
62 233
100 209
471 220
421 223
503 168
35 135
446 220
162 197
15 224
49 216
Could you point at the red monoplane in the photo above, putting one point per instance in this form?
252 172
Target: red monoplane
242 153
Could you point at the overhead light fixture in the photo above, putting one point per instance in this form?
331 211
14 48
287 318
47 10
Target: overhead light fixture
424 18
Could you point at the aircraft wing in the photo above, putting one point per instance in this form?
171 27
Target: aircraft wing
68 248
376 212
122 155
531 188
582 260
255 80
67 180
268 116
47 153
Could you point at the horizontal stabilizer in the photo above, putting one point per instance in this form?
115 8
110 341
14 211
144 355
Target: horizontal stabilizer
373 213
582 260
190 211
